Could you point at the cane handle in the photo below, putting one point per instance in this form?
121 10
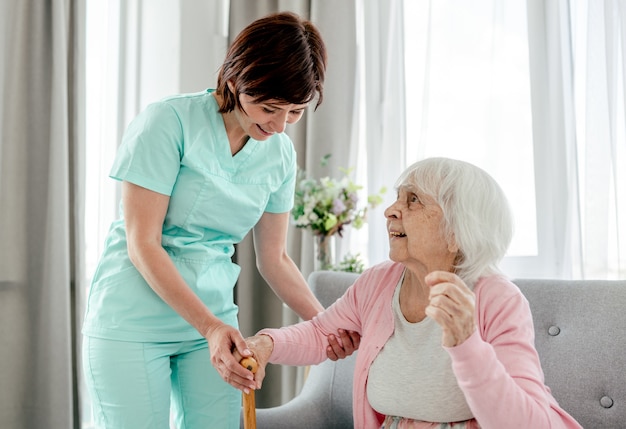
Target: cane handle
249 406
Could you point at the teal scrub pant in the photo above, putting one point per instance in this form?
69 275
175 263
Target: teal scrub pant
133 385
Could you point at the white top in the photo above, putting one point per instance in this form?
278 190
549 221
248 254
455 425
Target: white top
412 375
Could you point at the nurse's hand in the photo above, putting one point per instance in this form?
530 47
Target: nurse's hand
341 348
223 339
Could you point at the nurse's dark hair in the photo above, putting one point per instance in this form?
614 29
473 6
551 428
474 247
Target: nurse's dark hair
280 57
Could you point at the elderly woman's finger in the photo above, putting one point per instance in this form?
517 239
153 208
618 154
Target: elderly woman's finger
261 347
451 306
437 277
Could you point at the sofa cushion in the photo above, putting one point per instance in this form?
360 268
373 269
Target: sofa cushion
580 335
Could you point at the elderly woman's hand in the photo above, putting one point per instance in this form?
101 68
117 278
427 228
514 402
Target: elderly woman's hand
451 306
261 347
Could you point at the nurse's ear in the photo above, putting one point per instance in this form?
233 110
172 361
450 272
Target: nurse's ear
235 94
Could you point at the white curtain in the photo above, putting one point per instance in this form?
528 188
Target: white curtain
41 211
533 92
384 121
602 134
578 73
554 138
469 97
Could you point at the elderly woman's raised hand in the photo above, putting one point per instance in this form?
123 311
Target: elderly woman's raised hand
451 306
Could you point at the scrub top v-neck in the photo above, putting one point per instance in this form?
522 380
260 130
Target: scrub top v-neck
178 147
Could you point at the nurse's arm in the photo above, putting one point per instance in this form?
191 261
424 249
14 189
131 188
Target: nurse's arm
287 282
144 214
278 269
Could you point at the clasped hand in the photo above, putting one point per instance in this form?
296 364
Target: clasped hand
227 348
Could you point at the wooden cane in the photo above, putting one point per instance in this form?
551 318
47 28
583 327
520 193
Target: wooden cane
249 407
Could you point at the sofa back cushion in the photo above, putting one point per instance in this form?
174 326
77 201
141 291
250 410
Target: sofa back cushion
580 335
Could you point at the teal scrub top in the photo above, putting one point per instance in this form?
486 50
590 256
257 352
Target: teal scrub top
178 147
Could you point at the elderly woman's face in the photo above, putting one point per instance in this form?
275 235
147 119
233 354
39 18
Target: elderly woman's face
414 223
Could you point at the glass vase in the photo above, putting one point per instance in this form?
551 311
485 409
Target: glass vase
324 246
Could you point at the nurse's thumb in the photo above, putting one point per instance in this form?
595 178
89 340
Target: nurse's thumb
242 347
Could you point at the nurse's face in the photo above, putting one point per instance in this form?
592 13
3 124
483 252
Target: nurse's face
260 120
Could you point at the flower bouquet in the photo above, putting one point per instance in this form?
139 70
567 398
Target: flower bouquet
327 205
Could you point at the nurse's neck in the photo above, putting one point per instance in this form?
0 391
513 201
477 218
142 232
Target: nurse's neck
237 138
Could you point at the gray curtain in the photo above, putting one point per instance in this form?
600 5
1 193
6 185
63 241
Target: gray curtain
330 129
40 211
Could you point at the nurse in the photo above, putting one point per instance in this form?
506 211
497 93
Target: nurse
198 172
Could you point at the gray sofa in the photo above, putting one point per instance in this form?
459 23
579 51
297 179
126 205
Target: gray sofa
580 329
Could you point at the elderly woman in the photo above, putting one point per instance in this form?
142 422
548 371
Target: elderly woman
447 339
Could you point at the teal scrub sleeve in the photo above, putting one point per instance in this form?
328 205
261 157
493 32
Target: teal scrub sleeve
281 200
151 150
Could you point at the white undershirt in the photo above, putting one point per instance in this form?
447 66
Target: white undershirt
412 375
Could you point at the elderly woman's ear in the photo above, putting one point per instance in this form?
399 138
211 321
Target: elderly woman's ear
453 247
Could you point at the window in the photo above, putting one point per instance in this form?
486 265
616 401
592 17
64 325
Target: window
468 96
559 155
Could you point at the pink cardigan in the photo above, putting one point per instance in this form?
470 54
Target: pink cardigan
497 368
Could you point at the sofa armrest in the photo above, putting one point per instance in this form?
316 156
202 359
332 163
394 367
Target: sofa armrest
325 401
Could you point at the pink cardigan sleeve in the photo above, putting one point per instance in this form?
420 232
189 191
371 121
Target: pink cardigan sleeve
300 344
498 367
305 343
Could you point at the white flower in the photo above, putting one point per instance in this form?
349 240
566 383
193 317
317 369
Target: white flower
325 206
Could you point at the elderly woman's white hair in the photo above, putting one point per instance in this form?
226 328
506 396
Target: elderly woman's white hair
476 212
